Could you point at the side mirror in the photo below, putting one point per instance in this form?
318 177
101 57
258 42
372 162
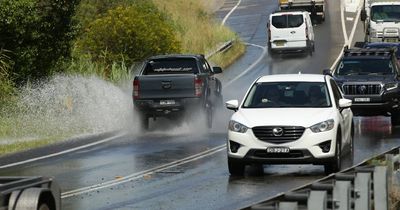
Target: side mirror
217 70
232 105
327 72
345 103
363 15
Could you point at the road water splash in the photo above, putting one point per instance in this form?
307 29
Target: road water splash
73 105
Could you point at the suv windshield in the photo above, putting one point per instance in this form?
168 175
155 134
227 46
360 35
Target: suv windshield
287 94
287 21
365 67
385 13
171 66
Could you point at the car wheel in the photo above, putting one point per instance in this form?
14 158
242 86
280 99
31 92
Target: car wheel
144 122
336 164
395 119
209 115
236 168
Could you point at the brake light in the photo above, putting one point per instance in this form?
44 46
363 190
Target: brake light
198 84
306 33
136 88
269 31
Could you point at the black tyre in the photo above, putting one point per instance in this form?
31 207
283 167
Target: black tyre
144 122
236 168
395 119
336 164
209 115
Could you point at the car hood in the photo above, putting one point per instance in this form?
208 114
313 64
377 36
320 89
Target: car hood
305 117
365 78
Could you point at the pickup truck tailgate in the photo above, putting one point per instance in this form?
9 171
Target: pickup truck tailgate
166 86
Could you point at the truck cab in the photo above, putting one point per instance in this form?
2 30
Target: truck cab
382 20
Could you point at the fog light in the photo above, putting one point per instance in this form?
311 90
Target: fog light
234 146
325 146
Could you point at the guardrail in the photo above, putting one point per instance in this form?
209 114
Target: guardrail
224 47
366 186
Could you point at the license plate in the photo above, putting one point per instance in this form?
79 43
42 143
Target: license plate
279 43
167 102
278 150
362 99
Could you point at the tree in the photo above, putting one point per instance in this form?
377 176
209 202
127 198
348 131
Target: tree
38 33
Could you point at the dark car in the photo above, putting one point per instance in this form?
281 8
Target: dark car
370 78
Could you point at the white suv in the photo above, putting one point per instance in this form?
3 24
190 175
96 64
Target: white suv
290 119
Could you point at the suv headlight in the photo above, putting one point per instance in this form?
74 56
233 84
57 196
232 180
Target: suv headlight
237 127
391 86
323 126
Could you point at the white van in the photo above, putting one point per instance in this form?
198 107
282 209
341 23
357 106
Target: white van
290 31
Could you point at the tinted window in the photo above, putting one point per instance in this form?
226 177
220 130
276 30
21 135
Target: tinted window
171 66
288 94
365 67
287 21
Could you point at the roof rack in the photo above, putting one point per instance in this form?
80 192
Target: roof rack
369 51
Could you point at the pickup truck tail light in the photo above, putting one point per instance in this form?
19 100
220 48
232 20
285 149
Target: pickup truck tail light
198 84
136 88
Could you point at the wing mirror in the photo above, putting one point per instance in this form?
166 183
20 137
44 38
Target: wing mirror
217 70
232 105
327 72
363 15
345 103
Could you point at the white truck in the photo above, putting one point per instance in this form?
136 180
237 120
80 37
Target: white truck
382 20
315 7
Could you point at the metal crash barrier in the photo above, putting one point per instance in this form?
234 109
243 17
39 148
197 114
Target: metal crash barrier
366 186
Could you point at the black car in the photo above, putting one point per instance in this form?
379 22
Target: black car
370 78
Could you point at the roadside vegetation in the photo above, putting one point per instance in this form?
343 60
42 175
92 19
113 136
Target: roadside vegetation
65 66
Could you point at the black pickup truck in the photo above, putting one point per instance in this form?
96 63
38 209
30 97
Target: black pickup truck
175 86
370 78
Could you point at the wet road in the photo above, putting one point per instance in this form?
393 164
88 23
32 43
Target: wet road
185 167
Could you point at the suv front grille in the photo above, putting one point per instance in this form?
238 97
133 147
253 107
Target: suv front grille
362 89
289 133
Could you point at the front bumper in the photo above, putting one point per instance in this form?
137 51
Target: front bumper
384 104
305 150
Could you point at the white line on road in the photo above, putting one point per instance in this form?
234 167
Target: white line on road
250 67
141 174
62 152
230 12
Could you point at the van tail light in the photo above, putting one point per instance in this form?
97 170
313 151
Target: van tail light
269 31
307 33
198 84
136 88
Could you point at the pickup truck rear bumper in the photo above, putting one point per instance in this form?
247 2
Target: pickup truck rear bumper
166 107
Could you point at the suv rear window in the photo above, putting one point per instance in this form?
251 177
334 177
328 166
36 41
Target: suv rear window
287 21
171 66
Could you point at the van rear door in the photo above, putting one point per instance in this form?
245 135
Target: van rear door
286 28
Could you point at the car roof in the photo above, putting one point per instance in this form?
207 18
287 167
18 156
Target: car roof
286 12
292 78
171 56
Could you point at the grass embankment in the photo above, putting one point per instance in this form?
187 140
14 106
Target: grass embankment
79 102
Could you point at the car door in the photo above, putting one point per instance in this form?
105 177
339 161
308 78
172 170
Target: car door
345 115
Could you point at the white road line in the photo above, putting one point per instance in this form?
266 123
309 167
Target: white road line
250 67
343 23
347 40
62 152
230 12
139 175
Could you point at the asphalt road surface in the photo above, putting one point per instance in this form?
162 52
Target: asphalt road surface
185 167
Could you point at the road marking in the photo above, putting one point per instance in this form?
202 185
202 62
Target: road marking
62 152
230 12
141 174
349 18
347 41
250 67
